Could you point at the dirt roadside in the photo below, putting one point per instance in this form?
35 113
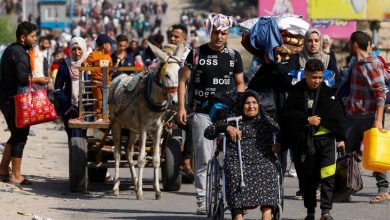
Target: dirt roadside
45 163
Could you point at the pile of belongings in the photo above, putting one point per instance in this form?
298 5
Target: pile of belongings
270 35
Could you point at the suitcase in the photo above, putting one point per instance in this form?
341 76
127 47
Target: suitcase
348 179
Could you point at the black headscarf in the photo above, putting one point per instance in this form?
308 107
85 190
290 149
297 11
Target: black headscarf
245 96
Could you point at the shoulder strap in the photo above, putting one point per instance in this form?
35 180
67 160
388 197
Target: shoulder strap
190 85
195 58
232 55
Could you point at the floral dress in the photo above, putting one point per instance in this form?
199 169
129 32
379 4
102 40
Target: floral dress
260 174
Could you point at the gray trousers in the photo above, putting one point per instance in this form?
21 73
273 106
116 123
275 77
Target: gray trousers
203 151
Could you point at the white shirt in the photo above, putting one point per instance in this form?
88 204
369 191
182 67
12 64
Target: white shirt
40 56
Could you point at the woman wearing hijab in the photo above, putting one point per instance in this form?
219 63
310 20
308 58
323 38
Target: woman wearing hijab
260 174
67 81
67 92
312 49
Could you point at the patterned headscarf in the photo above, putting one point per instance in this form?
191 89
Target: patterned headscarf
219 21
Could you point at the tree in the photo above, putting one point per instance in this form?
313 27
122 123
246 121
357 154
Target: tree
8 28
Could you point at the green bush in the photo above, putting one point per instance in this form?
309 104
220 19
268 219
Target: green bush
8 28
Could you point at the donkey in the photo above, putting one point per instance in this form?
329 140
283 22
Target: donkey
142 110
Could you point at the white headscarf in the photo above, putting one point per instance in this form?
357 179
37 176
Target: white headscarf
305 55
79 42
74 66
327 49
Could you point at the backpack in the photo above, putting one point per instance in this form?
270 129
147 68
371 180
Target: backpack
386 73
222 105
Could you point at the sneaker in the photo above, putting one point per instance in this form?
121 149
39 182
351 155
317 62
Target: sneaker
292 172
201 210
299 195
326 217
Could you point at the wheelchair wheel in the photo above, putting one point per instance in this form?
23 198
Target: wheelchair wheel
214 199
210 192
277 212
220 210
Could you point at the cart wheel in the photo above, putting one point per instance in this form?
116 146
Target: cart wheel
170 167
78 161
97 175
277 212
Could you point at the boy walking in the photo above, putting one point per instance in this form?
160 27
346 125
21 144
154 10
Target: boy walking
312 120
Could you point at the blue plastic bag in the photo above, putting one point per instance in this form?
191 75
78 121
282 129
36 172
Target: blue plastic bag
298 75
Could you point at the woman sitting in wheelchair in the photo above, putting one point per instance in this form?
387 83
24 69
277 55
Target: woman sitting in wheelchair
258 186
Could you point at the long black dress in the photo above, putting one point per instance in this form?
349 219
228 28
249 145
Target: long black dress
260 174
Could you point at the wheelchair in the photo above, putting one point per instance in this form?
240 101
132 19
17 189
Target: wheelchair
215 189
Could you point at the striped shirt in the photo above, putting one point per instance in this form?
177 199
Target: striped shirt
367 87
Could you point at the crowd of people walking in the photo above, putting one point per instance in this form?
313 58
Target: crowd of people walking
308 115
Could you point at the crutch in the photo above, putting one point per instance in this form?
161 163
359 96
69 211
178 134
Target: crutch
278 166
237 119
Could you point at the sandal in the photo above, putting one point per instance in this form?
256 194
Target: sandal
380 198
188 176
20 185
326 217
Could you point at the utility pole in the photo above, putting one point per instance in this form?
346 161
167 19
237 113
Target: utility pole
71 15
24 10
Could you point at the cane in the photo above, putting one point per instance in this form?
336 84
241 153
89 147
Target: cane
237 119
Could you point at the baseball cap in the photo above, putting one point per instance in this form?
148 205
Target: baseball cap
104 38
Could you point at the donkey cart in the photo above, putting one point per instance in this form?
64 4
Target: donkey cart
92 144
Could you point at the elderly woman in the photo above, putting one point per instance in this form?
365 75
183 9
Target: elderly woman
260 174
67 92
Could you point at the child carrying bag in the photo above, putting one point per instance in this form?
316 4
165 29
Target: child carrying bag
32 106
